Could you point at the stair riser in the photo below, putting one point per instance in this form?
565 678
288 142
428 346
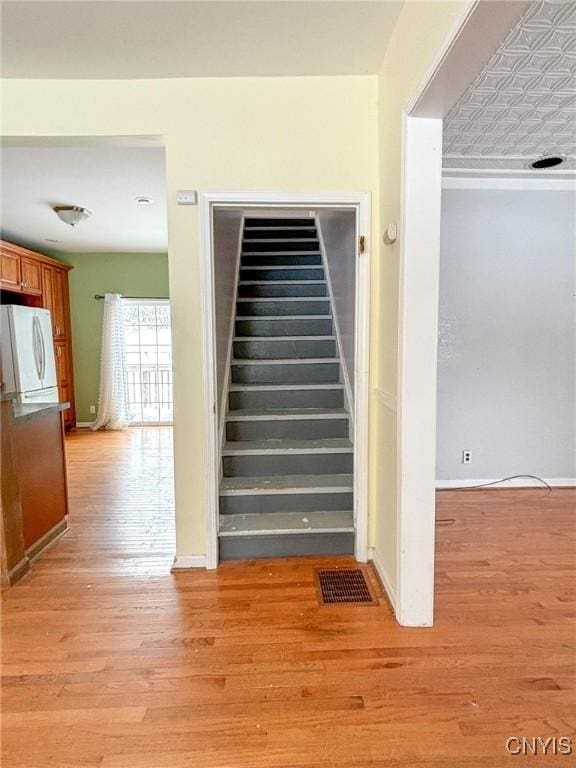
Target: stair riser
281 274
295 245
279 328
270 291
295 429
288 464
302 373
285 502
281 234
277 222
277 349
278 260
271 308
285 545
287 398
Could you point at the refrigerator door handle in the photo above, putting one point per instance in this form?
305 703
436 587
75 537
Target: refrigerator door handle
36 347
42 352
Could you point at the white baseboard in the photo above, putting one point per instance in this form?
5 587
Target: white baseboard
384 578
188 561
84 424
518 482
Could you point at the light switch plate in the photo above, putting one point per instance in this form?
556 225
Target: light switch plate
186 197
391 234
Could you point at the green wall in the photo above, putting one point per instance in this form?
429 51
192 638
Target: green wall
132 274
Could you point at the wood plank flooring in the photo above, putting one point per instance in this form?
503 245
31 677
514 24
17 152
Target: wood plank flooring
111 661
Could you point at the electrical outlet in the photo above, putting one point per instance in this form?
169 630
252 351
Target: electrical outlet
92 409
466 457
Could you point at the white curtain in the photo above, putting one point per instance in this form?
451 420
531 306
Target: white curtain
113 399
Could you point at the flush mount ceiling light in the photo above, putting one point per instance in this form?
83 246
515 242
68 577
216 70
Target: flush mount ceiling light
547 161
72 214
143 200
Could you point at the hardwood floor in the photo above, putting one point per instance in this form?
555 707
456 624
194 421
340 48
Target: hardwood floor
111 661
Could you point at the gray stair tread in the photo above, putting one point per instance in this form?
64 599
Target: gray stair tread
273 299
311 252
282 267
287 414
284 282
258 447
284 338
286 522
267 318
277 387
286 360
308 239
248 228
282 484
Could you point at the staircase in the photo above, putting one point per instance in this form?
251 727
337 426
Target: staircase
287 460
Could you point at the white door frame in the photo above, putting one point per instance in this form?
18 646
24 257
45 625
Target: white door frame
360 202
470 43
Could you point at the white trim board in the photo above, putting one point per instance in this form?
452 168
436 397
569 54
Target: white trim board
475 35
188 561
419 275
383 576
252 201
223 414
526 183
517 482
347 388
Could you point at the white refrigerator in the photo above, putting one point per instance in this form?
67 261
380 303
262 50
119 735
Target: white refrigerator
28 364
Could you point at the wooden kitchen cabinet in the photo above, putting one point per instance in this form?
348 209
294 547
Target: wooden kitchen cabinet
48 290
32 278
55 298
40 458
31 271
60 312
10 270
64 374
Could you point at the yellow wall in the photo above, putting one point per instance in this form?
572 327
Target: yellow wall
420 31
294 134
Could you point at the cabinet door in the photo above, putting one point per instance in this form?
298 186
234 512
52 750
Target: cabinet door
63 355
10 274
31 276
48 290
62 366
60 304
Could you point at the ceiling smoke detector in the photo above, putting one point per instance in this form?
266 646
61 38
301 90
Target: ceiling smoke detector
71 214
547 161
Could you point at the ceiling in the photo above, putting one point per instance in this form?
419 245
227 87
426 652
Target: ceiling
523 103
105 179
100 39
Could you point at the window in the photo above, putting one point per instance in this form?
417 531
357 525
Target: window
148 341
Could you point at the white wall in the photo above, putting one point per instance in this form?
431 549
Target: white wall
227 233
339 235
506 388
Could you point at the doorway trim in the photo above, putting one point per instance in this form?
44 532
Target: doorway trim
360 202
475 34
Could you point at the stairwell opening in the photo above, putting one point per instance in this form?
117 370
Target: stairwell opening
285 290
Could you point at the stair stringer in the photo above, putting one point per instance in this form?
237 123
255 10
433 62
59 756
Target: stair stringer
348 397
